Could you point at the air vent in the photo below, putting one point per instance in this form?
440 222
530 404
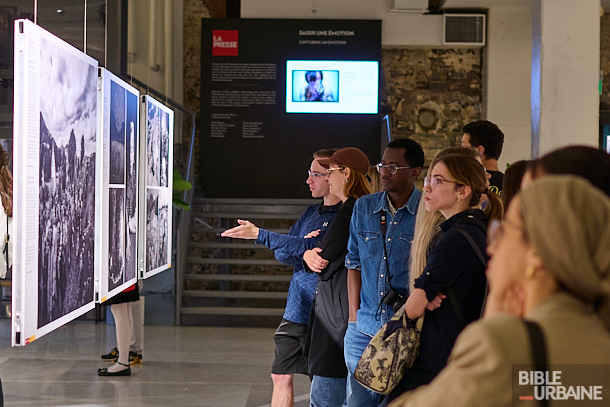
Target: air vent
410 6
467 30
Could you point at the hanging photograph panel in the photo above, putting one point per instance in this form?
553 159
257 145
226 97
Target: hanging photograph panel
120 132
156 191
55 136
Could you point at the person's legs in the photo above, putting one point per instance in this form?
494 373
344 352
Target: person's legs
137 338
124 325
328 392
289 359
354 344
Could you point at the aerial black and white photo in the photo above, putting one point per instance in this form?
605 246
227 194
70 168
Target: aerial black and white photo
116 237
117 133
152 229
67 171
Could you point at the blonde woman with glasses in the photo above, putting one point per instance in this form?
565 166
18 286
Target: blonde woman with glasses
451 289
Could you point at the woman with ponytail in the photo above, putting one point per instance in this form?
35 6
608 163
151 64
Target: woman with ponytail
451 289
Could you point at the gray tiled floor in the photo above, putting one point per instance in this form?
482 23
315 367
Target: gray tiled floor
183 367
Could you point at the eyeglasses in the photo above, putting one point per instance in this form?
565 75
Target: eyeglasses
432 182
329 170
315 175
495 231
390 168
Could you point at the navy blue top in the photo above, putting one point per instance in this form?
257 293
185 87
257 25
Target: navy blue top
452 262
289 250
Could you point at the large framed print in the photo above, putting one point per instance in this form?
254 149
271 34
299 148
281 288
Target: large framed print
119 227
55 191
156 169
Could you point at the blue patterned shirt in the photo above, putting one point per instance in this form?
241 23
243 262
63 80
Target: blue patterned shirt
289 250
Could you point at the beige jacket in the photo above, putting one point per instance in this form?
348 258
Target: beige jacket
479 372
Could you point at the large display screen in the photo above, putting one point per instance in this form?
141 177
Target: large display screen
319 86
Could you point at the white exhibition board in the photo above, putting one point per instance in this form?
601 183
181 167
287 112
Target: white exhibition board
55 193
120 132
157 157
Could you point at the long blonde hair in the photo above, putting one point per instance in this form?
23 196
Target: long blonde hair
427 224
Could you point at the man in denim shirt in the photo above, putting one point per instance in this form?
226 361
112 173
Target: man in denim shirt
369 279
291 335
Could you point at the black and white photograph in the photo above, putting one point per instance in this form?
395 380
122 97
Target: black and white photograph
152 229
116 237
68 115
120 131
164 147
153 145
165 203
157 185
117 133
131 187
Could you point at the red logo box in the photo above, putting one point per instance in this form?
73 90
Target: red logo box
224 42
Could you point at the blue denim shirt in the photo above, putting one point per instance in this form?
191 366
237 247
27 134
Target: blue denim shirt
289 250
365 253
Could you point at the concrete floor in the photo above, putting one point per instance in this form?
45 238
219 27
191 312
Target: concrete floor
183 367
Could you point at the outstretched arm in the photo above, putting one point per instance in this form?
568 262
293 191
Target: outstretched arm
245 230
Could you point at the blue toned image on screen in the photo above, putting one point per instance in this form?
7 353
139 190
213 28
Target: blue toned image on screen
350 86
315 86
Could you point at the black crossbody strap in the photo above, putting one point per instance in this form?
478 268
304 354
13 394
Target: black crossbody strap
482 258
474 246
383 225
538 348
455 305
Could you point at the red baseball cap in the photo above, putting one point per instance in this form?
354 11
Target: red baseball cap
351 157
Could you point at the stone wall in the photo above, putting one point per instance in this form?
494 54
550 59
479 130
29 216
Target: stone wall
604 60
431 94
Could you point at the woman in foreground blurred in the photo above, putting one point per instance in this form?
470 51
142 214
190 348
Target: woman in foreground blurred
554 273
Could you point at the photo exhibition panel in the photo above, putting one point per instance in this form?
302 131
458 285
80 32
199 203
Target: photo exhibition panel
119 227
156 187
55 168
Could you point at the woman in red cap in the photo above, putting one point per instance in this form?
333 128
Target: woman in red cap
346 175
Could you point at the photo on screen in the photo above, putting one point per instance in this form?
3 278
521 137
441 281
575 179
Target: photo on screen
315 86
352 86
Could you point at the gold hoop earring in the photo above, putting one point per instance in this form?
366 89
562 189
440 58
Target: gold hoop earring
529 272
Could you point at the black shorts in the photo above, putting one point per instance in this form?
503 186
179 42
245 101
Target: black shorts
290 341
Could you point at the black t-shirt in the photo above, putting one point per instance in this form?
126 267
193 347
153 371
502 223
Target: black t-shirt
495 182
